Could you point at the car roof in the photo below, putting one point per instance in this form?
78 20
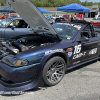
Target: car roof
15 18
82 22
79 22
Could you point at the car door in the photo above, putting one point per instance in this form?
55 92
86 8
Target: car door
9 32
12 30
92 48
86 49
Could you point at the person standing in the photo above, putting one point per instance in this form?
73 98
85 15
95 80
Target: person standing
72 18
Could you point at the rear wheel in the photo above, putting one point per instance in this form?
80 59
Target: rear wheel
54 71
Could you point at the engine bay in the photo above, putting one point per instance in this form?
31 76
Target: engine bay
23 43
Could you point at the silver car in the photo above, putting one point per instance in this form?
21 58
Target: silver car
11 27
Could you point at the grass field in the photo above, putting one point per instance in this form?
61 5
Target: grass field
49 8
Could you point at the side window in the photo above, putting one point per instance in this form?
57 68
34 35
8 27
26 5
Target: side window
19 24
85 33
92 30
83 36
88 32
13 23
88 28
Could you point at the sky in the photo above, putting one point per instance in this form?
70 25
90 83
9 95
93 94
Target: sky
91 0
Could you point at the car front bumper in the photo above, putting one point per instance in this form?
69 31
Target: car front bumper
20 79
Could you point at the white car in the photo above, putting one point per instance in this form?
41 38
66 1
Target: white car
97 16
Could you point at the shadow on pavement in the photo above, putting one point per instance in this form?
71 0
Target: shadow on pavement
79 67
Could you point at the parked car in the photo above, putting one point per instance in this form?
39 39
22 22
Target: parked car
10 27
30 61
67 16
3 17
13 15
6 16
62 19
55 16
97 16
96 22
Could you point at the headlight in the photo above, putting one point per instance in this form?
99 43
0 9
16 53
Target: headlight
15 62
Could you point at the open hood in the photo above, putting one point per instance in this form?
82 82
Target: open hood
28 11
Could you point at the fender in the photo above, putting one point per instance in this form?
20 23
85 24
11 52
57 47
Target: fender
46 58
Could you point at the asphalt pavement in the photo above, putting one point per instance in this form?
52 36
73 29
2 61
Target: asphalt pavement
81 83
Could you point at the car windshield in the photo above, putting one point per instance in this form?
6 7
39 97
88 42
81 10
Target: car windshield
4 22
67 30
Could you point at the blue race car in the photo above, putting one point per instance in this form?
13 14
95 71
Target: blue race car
30 61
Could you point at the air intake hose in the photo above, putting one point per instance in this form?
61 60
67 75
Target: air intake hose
20 46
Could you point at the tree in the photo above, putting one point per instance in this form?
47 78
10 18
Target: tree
56 3
2 2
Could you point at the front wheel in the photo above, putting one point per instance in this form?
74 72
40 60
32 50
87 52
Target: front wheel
54 71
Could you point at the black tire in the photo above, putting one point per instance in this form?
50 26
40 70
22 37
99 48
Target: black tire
54 71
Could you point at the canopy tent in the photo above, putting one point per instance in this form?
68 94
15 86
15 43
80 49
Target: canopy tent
7 9
44 11
73 8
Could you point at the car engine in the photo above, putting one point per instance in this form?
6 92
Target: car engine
23 43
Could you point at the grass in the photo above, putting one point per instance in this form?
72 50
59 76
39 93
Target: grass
49 8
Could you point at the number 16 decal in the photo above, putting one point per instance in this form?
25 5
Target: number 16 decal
77 49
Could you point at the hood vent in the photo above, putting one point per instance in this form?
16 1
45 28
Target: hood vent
46 29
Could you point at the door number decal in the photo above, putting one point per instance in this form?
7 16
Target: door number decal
77 49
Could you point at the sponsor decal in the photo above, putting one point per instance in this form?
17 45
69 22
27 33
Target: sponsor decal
67 24
53 51
69 38
69 54
76 62
69 49
93 51
79 55
78 27
77 51
59 29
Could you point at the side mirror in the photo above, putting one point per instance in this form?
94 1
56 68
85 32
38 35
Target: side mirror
12 27
84 38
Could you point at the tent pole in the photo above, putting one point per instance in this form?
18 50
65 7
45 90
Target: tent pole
90 16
